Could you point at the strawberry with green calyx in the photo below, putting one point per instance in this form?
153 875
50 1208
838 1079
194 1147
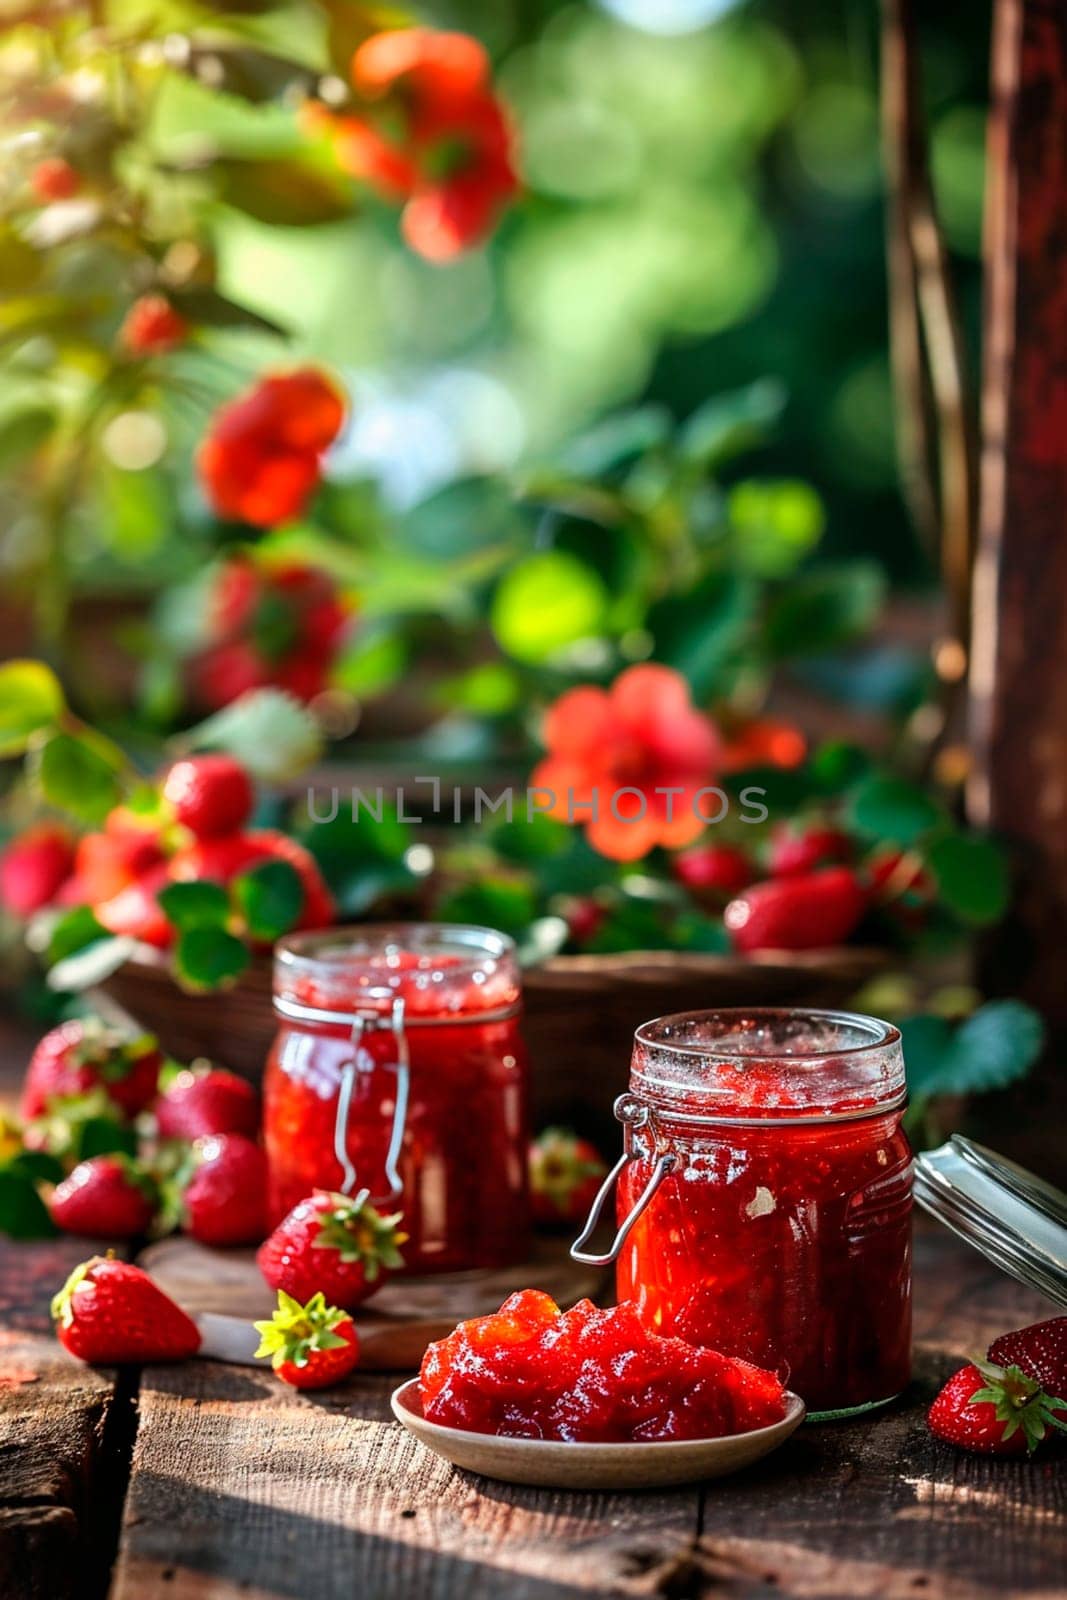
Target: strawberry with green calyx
310 1346
995 1411
110 1197
75 1127
335 1243
565 1174
109 1312
84 1054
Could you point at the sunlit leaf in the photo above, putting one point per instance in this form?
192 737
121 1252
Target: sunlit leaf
546 602
283 190
30 700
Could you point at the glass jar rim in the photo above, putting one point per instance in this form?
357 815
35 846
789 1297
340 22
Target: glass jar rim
736 1070
318 963
883 1035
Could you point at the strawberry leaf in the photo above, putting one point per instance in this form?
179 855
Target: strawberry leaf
972 877
209 958
195 905
23 1214
30 701
270 898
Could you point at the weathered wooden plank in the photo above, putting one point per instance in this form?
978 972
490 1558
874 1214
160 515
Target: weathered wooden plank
58 1432
878 1507
241 1487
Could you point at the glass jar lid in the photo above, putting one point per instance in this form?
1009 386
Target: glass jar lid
1016 1220
768 1063
442 972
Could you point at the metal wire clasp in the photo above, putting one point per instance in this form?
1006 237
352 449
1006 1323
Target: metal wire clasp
634 1113
367 1022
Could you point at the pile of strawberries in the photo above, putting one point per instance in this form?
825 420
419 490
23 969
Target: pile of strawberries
811 891
191 827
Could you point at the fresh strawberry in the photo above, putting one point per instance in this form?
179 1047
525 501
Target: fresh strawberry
34 867
207 1100
81 1055
713 872
224 1191
109 1312
310 1346
800 850
809 912
54 179
217 860
108 862
565 1174
135 912
334 1243
210 795
106 1197
1040 1350
995 1410
319 909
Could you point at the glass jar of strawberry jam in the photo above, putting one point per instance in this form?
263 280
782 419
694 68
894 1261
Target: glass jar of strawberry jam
764 1202
398 1071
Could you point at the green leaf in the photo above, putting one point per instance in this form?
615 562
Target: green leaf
30 700
822 610
23 1214
838 765
546 602
38 1165
776 523
195 905
104 1136
374 661
207 308
492 902
730 423
693 931
91 965
784 789
994 1047
80 773
972 877
893 811
465 516
252 75
22 432
268 731
209 958
283 190
616 440
700 632
270 897
74 930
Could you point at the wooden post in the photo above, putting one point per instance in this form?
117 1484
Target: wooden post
1019 646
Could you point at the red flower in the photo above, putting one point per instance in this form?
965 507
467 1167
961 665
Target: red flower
34 867
626 748
54 179
280 626
152 327
435 136
262 457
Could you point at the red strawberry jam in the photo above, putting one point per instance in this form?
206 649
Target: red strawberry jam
532 1371
462 1151
782 1231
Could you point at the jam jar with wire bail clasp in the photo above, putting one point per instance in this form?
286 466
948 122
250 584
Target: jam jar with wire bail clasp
764 1196
398 1071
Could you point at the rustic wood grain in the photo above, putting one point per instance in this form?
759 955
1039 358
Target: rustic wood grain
59 1433
240 1487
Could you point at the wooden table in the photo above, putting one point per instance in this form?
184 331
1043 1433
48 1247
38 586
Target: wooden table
202 1480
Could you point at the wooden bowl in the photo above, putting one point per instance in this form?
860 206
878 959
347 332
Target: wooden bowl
554 1464
580 1014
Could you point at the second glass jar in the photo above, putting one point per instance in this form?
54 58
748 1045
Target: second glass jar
766 1193
398 1067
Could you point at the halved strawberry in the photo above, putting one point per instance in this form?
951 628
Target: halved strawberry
310 1346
